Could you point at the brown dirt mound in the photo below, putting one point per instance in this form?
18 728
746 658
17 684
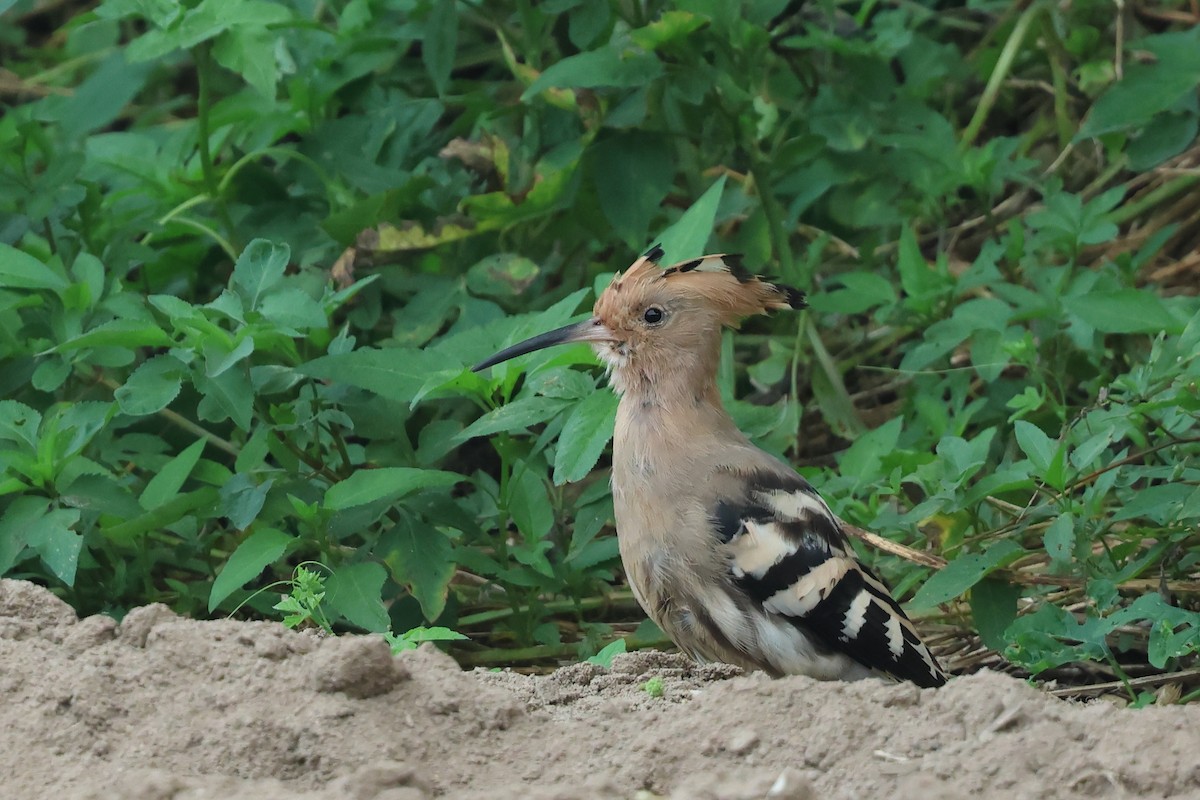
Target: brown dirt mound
163 707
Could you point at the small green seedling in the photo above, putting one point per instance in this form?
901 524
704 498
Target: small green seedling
653 687
412 639
303 603
605 656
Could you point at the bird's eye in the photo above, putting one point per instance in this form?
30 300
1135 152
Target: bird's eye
654 315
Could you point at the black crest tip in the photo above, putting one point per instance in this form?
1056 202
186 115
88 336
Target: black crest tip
654 254
795 298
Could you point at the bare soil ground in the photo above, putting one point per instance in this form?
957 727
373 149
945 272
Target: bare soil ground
163 707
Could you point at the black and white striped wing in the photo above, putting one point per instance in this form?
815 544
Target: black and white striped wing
788 554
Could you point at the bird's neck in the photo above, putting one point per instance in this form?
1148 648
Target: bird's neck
661 418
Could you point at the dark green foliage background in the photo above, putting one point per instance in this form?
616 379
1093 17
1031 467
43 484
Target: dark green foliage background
977 198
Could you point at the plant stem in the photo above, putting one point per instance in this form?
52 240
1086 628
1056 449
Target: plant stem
1159 195
181 421
202 54
623 598
1003 66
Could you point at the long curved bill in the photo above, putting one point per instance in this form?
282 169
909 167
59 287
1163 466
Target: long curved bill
590 330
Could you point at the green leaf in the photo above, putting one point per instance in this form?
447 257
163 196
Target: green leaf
129 333
101 98
528 504
605 656
259 269
438 46
242 499
584 436
218 357
19 518
1125 311
688 237
421 559
395 374
920 281
170 478
593 69
1148 89
355 592
964 572
863 291
151 387
669 27
263 547
208 19
19 423
505 275
1059 540
20 270
633 173
250 52
994 607
1037 446
515 416
1049 457
293 308
414 637
59 546
388 483
228 395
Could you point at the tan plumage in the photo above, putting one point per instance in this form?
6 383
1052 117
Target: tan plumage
728 549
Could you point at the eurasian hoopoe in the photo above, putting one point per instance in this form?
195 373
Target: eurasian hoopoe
732 553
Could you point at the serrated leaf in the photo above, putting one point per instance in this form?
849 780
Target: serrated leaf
293 308
388 483
19 423
250 52
18 519
263 547
354 591
584 436
218 358
259 269
228 395
151 387
59 546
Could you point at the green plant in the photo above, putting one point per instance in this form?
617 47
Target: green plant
248 249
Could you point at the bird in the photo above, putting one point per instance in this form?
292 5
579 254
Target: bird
726 547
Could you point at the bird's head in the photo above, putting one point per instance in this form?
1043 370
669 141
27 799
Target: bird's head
651 321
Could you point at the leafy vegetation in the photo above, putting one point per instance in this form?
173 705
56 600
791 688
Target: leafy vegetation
248 248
